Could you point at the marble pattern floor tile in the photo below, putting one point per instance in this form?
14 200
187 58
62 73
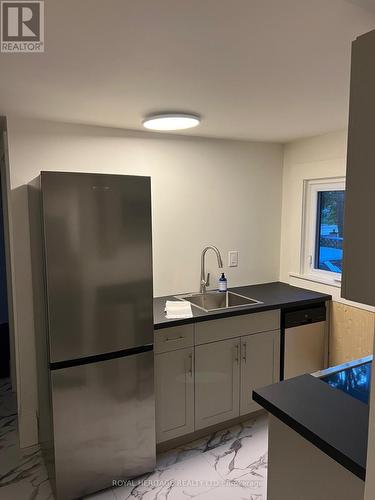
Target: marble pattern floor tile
211 441
22 471
8 400
238 468
227 464
187 479
102 495
243 460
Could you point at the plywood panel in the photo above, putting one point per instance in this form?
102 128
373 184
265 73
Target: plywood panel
351 335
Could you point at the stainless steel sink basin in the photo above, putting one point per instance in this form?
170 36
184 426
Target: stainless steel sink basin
217 301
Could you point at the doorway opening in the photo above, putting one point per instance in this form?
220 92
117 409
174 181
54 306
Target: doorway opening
8 378
4 317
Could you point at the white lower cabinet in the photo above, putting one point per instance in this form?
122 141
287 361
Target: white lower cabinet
205 373
260 366
174 393
217 382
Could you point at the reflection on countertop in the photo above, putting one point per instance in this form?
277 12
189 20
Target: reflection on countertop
328 409
353 380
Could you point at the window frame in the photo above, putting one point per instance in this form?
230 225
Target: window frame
311 189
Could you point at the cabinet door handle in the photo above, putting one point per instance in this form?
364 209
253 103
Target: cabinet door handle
244 354
237 353
191 365
171 340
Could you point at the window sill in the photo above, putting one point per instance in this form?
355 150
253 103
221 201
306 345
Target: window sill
316 279
336 295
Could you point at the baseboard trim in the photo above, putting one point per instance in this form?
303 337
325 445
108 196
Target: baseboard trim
188 438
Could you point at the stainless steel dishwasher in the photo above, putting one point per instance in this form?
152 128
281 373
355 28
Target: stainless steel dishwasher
303 341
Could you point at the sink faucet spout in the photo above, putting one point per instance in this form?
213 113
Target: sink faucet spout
205 280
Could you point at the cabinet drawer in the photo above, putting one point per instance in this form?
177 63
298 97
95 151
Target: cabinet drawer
236 326
170 339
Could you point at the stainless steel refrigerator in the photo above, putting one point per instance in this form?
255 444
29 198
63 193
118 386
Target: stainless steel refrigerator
92 280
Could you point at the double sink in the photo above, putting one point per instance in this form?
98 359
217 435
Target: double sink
217 301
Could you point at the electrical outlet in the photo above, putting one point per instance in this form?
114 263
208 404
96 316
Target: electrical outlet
233 258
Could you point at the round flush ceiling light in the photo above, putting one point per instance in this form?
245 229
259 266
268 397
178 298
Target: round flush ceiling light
171 121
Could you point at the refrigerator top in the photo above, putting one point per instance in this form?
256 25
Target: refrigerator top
98 262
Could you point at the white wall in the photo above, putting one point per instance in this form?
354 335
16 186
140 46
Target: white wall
313 158
204 191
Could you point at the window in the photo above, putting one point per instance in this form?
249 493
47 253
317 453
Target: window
323 229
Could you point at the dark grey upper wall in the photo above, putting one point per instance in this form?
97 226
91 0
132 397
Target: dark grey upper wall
358 282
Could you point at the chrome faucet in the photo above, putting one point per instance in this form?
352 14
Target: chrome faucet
205 280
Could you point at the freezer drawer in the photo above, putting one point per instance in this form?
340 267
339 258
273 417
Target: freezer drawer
304 349
104 423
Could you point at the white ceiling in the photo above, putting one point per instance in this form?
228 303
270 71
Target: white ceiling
271 70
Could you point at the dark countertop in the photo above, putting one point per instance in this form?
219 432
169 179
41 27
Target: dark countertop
330 419
276 295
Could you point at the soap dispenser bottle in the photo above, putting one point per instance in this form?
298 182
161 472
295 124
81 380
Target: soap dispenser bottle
223 283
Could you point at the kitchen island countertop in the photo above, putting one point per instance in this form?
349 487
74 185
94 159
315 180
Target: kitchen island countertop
330 419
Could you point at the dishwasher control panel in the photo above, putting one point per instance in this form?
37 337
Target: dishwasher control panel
305 316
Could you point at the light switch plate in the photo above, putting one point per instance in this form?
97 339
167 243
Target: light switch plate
233 258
